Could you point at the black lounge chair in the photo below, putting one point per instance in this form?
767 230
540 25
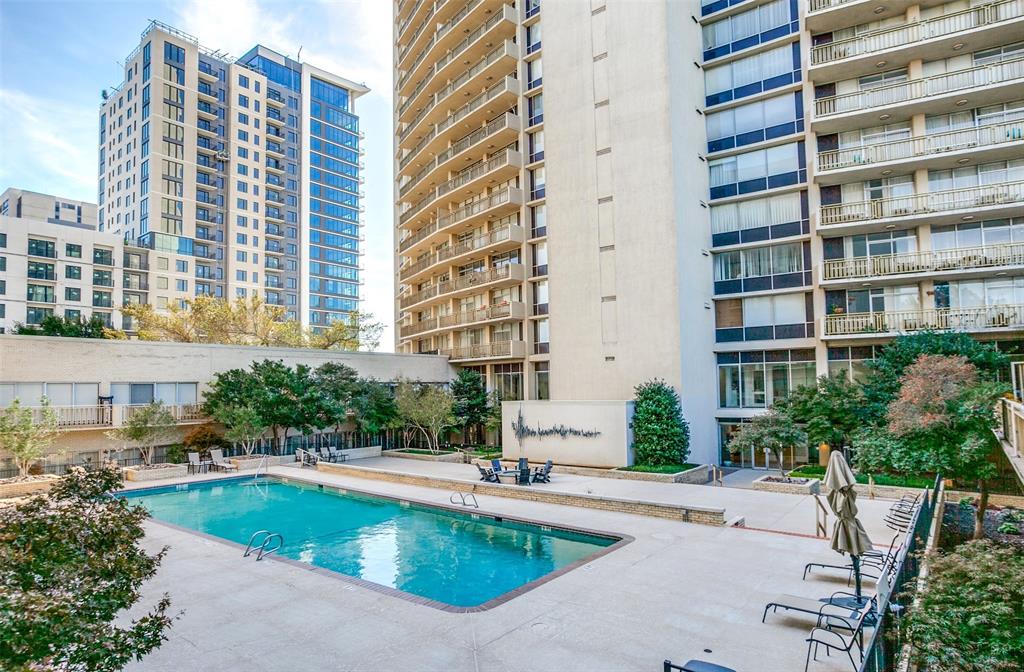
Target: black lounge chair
869 563
815 607
497 467
825 634
542 474
488 475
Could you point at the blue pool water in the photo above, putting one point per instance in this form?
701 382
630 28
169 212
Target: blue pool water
442 555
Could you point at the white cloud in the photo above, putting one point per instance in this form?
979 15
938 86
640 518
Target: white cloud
39 151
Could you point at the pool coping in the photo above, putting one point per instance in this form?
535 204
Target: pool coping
622 540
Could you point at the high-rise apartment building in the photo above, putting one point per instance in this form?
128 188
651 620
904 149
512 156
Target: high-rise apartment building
245 172
743 194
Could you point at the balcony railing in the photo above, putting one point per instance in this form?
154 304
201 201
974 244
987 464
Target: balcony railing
504 196
899 36
507 120
515 310
921 204
479 242
938 143
487 350
916 89
499 160
467 281
107 415
818 5
931 319
928 261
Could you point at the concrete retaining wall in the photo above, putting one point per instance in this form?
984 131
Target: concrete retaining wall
692 514
811 486
695 476
441 457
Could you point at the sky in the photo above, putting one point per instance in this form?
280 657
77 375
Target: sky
57 56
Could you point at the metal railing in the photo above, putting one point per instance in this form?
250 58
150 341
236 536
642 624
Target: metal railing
938 143
926 319
881 652
506 195
511 232
916 89
918 31
1011 254
896 207
107 415
487 350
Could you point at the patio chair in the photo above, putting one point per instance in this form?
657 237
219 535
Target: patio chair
832 640
542 474
810 605
195 465
488 475
869 562
331 455
218 461
496 466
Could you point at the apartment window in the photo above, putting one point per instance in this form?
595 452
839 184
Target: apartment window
535 105
181 285
3 263
754 122
102 300
173 53
243 81
3 240
973 176
181 265
978 234
775 211
988 293
999 54
746 29
536 143
72 294
240 276
102 278
3 287
540 258
508 381
41 271
36 315
756 171
752 75
240 255
73 314
533 38
538 220
73 272
761 268
758 379
42 248
172 74
851 361
40 294
541 336
243 101
243 135
537 183
534 73
72 250
542 380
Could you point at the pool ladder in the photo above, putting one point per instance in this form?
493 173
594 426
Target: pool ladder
464 498
265 546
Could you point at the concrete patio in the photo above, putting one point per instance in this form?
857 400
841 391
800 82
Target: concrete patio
676 591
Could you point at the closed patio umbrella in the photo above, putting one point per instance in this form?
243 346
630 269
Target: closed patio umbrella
848 535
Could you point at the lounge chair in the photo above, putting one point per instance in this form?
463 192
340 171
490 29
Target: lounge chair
827 635
810 605
488 475
542 474
497 467
195 465
331 455
869 562
218 461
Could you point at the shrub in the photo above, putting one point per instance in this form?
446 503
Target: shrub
70 563
660 433
1009 528
175 454
970 617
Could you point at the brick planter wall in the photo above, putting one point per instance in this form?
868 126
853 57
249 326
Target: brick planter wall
692 514
24 488
175 471
696 476
440 457
811 486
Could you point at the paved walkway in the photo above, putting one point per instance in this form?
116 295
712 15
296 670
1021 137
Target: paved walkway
764 510
678 591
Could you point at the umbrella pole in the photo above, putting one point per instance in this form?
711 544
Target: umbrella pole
856 576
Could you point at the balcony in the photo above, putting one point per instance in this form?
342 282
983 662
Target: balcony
273 247
496 350
488 243
936 207
275 166
137 286
506 200
978 86
470 283
874 325
506 311
940 150
206 92
959 261
276 99
274 148
500 167
206 111
990 24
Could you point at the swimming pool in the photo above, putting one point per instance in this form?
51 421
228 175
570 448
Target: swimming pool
449 557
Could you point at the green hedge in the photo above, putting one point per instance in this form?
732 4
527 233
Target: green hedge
909 481
660 468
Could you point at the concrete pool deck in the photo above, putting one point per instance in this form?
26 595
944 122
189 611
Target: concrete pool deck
673 592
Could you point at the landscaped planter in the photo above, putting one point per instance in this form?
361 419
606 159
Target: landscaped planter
155 472
792 486
440 457
254 461
16 487
695 476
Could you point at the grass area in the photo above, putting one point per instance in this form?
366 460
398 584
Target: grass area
816 471
660 468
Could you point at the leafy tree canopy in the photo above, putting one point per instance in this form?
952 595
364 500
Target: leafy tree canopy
27 433
55 325
472 405
660 433
70 563
773 431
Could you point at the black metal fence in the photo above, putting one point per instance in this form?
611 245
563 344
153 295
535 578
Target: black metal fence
883 648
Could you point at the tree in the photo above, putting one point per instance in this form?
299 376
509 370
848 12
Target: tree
660 433
970 614
353 332
203 319
55 325
374 407
202 438
242 425
26 435
264 388
773 431
428 408
943 421
70 564
886 370
337 385
471 405
147 426
831 411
